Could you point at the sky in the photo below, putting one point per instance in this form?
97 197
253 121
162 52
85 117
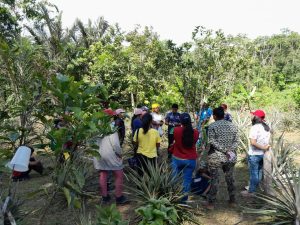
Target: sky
176 19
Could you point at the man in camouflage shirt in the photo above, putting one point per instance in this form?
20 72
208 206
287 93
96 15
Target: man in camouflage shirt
223 141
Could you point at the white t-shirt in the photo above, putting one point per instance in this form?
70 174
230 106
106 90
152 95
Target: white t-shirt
157 118
261 136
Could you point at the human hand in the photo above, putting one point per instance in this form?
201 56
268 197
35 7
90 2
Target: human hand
267 147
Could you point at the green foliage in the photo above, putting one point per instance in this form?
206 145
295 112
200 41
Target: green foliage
109 216
77 104
70 178
170 96
284 154
158 212
21 94
157 183
265 97
282 206
296 96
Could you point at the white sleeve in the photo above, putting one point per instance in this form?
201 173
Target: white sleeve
253 132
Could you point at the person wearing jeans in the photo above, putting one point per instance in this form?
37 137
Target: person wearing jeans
255 167
187 168
184 152
259 143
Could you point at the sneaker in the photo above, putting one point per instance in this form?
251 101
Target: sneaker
106 199
247 194
122 200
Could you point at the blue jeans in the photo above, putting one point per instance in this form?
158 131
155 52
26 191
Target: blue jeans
186 167
255 163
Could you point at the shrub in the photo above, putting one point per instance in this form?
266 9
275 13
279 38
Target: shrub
296 96
104 216
157 183
109 216
158 212
283 205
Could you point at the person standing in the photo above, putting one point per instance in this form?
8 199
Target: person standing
172 120
134 116
184 152
203 118
157 122
110 160
259 144
119 123
148 141
137 122
227 115
223 142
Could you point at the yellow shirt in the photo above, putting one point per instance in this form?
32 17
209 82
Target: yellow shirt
147 142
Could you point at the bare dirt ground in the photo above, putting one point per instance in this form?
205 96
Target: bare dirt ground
58 214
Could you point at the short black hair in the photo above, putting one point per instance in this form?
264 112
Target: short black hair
175 106
219 113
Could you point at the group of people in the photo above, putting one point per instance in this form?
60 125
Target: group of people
214 130
210 136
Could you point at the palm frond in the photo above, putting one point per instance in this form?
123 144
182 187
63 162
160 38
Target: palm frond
282 205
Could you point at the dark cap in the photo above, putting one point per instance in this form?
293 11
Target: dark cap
175 106
185 118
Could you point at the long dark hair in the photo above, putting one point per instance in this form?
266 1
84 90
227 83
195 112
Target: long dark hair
258 120
188 131
146 122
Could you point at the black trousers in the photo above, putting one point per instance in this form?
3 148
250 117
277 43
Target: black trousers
170 142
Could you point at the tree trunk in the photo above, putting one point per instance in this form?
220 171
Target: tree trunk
132 100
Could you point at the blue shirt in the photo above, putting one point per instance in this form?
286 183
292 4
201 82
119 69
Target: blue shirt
137 123
228 117
172 118
204 114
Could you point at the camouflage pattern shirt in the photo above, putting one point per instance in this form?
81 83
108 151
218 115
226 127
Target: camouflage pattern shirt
222 137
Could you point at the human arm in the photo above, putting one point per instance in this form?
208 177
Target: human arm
254 143
167 119
205 176
135 137
254 136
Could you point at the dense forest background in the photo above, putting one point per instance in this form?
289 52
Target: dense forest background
138 67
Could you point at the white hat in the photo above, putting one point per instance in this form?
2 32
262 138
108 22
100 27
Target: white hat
118 111
138 111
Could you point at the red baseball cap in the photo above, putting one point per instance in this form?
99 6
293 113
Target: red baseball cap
259 113
109 112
